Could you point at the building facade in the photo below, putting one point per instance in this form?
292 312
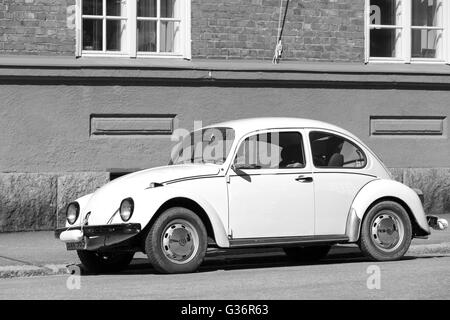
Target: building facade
93 89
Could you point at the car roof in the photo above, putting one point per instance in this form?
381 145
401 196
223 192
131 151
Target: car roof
244 126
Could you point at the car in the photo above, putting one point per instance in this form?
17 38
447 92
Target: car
297 184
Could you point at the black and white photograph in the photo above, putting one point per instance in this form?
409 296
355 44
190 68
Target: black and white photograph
223 155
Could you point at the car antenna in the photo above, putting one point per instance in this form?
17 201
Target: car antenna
279 47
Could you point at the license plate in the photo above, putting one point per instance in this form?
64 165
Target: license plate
75 245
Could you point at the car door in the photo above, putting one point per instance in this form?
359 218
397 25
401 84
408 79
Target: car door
270 187
340 169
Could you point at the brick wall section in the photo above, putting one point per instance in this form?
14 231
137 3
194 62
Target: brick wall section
36 27
316 30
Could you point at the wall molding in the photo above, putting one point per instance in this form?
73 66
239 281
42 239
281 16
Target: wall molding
407 126
131 124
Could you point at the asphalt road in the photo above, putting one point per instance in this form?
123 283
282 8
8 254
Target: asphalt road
271 277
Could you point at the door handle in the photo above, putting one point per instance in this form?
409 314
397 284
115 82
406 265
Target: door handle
304 179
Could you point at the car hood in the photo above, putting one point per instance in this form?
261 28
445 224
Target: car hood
166 174
106 200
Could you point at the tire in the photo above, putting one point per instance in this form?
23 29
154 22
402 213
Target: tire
386 232
307 254
99 262
176 242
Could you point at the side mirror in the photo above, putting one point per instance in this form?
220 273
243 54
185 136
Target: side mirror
237 168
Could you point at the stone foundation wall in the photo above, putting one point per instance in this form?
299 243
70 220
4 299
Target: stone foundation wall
435 184
37 201
27 201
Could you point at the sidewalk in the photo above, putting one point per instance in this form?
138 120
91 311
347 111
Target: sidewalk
39 253
34 248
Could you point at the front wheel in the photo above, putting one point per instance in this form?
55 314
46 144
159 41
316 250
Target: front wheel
99 262
177 241
386 232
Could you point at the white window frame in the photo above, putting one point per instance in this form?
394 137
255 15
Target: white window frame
405 43
131 50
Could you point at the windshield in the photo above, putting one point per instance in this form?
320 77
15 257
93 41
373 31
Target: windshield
210 145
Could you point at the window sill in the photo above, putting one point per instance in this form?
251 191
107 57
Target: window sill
412 61
124 70
145 55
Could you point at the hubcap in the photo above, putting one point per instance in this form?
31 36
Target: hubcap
387 231
180 241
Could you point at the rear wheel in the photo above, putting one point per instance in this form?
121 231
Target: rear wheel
98 262
307 254
177 241
386 232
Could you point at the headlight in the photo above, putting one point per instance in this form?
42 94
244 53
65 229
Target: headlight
126 209
73 210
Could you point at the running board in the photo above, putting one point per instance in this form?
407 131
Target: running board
287 241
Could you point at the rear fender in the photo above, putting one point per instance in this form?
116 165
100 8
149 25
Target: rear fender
379 189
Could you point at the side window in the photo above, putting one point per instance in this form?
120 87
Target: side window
329 150
272 150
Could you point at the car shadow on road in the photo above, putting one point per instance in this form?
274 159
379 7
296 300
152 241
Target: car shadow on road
140 266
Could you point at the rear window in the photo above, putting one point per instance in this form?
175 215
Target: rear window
333 151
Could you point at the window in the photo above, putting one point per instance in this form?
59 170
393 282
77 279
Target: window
332 151
407 30
211 145
133 28
272 150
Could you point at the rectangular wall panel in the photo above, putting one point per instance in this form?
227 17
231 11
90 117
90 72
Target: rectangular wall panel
407 125
127 124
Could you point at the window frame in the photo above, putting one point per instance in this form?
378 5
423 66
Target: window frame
406 40
355 144
131 30
269 170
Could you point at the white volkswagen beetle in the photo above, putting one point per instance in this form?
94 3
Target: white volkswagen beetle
299 184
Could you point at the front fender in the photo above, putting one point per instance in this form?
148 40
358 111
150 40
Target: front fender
382 188
147 203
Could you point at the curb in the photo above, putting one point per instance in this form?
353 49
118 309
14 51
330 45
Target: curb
31 270
437 248
57 269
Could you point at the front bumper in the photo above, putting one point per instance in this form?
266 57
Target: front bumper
96 237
